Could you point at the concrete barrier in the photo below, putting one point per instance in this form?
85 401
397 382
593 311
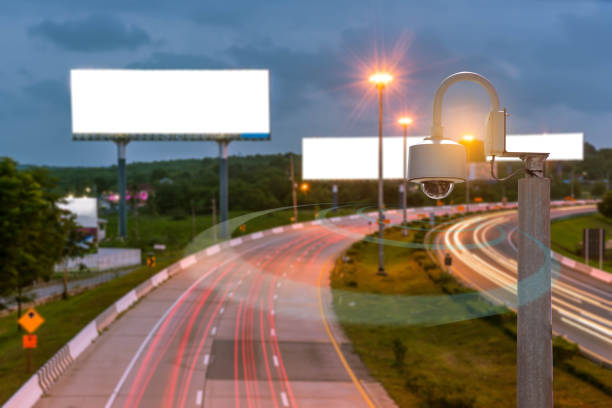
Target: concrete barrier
28 394
126 301
82 340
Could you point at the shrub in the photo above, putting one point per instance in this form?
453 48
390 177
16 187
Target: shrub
605 206
563 350
399 352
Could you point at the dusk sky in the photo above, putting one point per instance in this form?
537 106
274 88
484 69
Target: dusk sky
550 62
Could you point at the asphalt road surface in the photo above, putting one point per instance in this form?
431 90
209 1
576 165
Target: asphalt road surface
248 327
484 252
252 326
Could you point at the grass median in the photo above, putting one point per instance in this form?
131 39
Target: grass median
566 237
421 363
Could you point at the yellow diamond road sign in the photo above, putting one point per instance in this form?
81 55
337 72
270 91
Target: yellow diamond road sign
31 320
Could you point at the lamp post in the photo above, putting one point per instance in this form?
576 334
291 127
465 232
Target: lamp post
380 80
404 122
534 312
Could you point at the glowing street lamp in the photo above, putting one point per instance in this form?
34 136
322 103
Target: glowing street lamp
404 121
304 187
381 80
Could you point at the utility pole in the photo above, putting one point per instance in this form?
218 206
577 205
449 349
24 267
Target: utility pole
467 189
193 226
293 188
404 169
572 182
534 329
214 219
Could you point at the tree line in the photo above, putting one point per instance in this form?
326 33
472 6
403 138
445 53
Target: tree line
257 182
35 234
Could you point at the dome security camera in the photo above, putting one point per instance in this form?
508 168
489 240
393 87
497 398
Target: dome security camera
437 164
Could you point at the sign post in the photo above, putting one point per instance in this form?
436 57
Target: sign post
30 321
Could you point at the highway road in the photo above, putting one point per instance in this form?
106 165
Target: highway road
248 327
252 325
484 255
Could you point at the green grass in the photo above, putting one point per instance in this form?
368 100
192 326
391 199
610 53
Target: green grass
566 237
63 320
468 363
177 233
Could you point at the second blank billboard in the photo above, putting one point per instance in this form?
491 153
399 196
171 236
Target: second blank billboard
356 158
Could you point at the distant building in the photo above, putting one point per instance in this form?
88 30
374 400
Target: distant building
86 211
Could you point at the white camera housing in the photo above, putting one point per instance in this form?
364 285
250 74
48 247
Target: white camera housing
437 164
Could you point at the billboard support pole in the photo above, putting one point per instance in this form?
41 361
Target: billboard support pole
121 186
223 188
335 197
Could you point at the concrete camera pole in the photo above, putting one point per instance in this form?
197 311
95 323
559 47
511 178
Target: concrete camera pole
534 335
534 331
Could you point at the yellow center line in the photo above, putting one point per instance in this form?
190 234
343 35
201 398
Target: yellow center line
337 348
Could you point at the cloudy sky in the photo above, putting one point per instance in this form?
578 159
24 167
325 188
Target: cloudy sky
550 61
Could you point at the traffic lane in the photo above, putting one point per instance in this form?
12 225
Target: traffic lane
565 295
151 397
92 378
298 360
575 329
564 278
584 321
159 385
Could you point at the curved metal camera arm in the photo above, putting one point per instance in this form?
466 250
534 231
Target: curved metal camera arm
436 128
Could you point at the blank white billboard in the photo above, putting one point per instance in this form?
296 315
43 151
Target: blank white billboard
561 146
356 158
171 102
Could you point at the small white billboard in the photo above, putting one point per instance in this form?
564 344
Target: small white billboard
211 104
356 158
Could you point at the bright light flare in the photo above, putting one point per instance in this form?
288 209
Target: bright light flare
405 121
380 78
304 187
467 138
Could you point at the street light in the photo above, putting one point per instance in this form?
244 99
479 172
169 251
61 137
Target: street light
404 121
534 313
304 187
381 80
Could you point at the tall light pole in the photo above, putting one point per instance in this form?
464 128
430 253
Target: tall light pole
404 122
429 165
380 80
